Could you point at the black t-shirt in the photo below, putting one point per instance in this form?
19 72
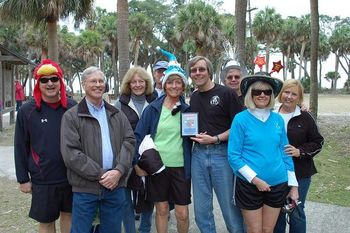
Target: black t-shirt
216 109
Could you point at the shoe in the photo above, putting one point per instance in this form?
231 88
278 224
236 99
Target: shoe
137 217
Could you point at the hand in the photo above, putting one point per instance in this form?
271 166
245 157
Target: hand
261 185
304 107
292 151
294 194
204 138
110 179
26 187
139 171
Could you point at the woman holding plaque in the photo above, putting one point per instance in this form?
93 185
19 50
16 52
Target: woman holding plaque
161 120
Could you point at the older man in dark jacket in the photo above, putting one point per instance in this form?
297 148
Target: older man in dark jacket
97 145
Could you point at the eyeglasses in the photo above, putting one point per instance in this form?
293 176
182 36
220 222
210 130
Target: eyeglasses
199 69
52 79
258 92
236 77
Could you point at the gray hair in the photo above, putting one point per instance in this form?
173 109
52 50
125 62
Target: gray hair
248 99
226 70
90 70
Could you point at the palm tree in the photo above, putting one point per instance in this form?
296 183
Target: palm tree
340 45
200 23
106 26
303 37
240 31
314 56
48 12
123 41
141 31
267 26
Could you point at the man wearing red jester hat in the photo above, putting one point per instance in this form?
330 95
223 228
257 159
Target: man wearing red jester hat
40 169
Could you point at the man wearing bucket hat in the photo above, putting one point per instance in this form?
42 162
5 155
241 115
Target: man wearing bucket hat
40 169
216 106
265 173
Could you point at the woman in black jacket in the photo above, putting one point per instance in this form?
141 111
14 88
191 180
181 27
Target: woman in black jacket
136 94
305 141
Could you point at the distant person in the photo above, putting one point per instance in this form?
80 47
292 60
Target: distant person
136 94
40 169
231 77
162 121
256 153
19 94
158 73
97 145
216 106
305 141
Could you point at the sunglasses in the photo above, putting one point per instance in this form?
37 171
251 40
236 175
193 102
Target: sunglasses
200 70
230 77
258 92
52 79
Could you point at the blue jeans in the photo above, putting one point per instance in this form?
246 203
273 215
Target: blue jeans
297 220
210 170
146 222
129 214
111 211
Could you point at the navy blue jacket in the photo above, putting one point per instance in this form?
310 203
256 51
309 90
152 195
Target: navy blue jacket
37 144
148 124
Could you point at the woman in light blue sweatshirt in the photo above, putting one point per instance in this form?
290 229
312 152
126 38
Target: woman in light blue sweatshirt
256 154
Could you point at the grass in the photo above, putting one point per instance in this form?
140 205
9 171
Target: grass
332 183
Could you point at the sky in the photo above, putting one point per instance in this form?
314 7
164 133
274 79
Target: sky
285 8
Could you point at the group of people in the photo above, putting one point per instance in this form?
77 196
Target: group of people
81 160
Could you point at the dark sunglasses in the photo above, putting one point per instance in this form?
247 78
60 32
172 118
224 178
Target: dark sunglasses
52 79
200 70
230 77
258 92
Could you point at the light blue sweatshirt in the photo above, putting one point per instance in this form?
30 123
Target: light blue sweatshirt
260 146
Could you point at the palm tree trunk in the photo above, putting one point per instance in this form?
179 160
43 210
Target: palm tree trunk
240 31
320 74
137 51
52 40
334 88
123 39
303 45
314 56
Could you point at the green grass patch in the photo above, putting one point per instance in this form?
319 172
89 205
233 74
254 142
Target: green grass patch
332 182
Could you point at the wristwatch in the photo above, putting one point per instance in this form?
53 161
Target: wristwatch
217 139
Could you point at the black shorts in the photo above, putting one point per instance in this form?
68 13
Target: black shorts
49 200
169 185
250 198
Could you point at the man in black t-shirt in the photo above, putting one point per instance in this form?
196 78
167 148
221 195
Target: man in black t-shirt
216 106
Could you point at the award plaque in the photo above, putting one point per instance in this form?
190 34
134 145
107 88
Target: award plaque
189 123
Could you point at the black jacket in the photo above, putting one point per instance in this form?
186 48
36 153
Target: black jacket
303 134
129 111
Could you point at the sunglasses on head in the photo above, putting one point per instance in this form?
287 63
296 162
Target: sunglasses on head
230 77
52 79
258 92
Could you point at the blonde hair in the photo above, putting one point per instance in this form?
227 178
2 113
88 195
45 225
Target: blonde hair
125 86
248 99
292 83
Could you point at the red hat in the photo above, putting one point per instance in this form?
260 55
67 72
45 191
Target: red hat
48 67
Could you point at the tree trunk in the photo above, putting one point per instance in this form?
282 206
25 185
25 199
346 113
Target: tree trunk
123 40
303 45
137 51
334 88
267 50
314 56
320 75
52 41
240 32
114 69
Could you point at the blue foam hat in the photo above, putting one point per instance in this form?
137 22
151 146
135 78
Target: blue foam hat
174 68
